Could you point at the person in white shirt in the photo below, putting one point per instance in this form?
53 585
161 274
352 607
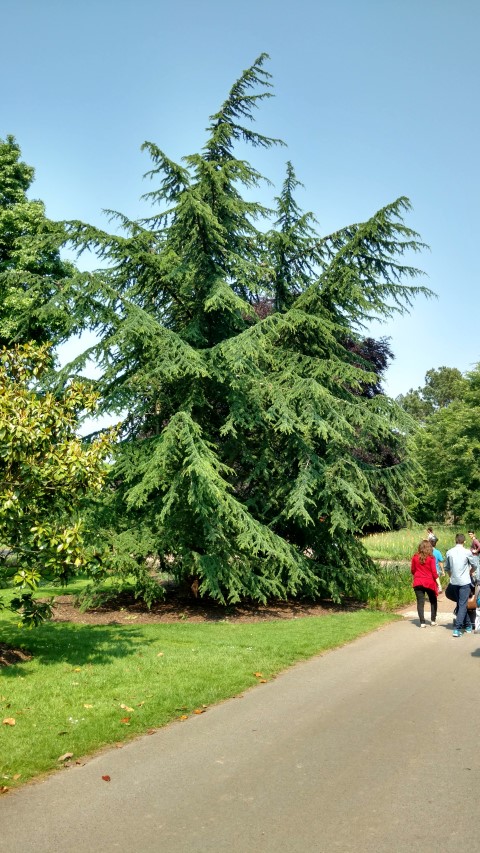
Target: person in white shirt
459 565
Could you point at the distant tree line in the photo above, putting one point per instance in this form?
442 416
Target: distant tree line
447 445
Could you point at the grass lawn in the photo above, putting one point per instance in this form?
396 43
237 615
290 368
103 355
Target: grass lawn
87 686
393 552
402 544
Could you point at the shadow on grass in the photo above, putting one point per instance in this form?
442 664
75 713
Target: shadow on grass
54 643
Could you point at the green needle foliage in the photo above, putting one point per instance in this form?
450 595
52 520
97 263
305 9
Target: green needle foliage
231 334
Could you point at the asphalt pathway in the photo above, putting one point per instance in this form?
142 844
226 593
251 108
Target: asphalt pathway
370 747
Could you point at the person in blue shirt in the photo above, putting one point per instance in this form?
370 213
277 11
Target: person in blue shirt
438 556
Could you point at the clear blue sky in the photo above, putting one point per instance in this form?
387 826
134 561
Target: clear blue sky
375 98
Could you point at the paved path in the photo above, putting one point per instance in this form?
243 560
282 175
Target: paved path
363 749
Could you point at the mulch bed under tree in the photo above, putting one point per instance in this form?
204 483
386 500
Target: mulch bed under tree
184 608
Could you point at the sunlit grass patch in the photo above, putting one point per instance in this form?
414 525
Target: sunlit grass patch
402 544
393 551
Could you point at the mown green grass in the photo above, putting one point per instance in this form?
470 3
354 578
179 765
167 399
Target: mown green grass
160 671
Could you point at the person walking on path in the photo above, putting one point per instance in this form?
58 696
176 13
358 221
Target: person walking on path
425 580
459 565
474 547
438 560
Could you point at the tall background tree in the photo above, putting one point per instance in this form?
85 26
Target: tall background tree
447 445
31 269
46 471
442 386
253 448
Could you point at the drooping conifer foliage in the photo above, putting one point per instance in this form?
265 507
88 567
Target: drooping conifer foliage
232 337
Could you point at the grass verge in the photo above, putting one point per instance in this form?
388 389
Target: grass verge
392 552
393 587
90 686
400 545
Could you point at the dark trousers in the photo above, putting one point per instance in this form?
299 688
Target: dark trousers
432 597
470 615
462 616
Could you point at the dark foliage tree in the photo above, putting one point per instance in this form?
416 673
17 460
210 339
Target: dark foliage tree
233 337
31 270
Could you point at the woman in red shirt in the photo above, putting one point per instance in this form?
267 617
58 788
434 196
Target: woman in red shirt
425 577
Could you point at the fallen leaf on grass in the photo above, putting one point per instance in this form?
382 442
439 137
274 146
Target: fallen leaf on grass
151 731
3 789
106 778
199 711
160 655
258 674
65 756
263 681
125 721
16 776
184 717
9 721
125 707
88 706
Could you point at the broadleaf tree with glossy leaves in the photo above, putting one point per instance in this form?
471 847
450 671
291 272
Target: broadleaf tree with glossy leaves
46 471
46 475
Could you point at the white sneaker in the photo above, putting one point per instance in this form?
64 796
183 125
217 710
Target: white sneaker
433 624
423 625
